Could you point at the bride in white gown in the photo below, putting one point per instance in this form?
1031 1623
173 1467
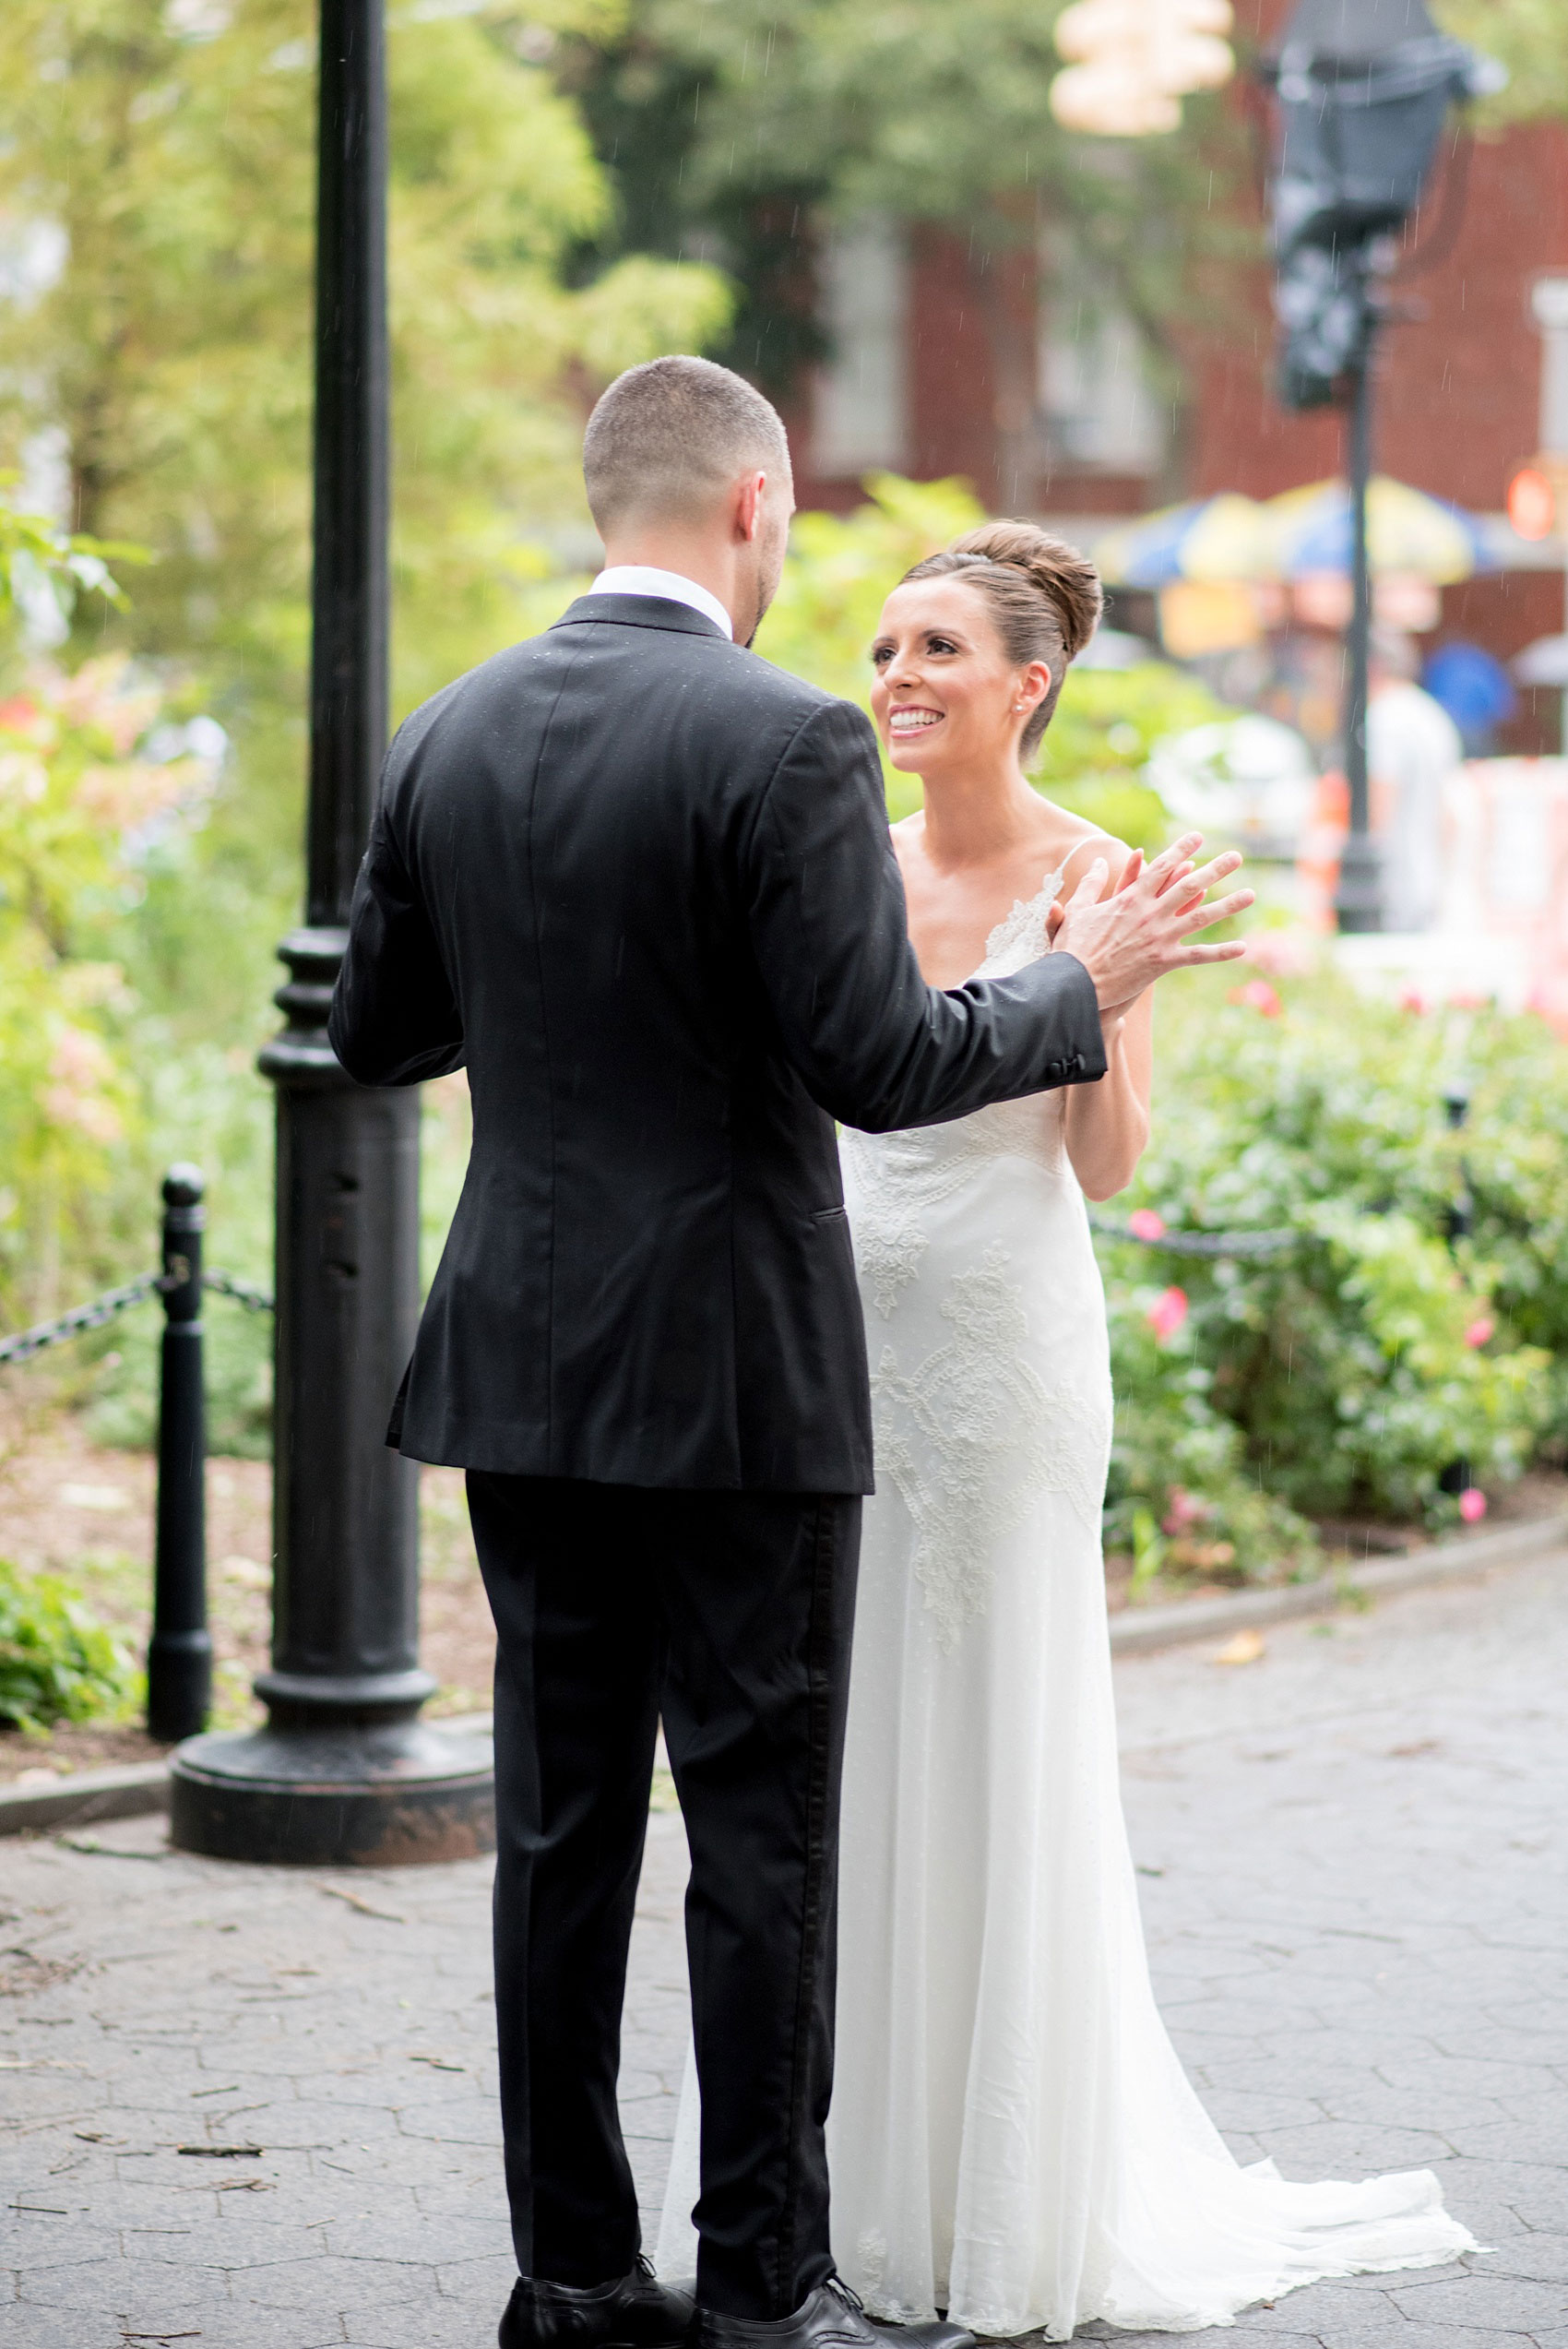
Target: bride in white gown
1012 2138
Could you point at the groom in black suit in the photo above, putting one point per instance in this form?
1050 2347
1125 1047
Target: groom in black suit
639 883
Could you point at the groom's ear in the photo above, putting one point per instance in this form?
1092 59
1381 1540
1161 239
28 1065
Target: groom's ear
746 511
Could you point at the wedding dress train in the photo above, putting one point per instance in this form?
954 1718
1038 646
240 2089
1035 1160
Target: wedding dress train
1012 2138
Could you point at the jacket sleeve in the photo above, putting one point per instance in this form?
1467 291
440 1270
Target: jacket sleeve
873 1045
395 1019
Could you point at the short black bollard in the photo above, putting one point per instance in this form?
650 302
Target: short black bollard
1462 1213
179 1656
1456 1478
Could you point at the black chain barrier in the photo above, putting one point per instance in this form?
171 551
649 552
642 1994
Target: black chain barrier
95 1316
101 1310
245 1292
113 1301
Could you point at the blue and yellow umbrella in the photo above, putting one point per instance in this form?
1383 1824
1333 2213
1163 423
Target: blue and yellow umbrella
1209 538
1307 531
1304 532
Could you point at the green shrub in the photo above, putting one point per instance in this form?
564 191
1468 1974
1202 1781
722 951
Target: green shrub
56 1663
1361 1368
1099 742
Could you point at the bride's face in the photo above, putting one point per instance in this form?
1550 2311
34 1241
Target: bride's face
944 693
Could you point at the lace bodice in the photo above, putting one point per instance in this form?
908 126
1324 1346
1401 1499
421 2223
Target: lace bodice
899 1177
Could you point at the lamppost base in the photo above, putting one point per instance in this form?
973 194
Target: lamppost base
1358 903
348 1797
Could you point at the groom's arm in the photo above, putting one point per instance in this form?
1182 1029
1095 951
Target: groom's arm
395 1019
874 1044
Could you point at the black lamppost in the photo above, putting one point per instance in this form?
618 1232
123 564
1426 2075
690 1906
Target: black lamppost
344 1770
1363 89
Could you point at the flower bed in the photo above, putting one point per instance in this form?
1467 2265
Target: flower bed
1385 1364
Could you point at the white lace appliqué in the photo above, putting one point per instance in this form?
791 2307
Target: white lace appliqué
971 1435
1019 936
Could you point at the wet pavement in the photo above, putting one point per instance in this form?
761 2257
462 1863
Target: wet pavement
254 2109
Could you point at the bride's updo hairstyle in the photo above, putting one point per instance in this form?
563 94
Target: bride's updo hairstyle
1045 598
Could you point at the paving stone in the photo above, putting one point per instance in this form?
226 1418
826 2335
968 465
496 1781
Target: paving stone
1503 2303
318 2279
1542 2256
1358 1952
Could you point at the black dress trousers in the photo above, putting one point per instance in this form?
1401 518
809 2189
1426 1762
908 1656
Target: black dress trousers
730 1614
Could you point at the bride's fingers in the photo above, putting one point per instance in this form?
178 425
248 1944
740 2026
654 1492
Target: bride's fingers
1161 884
1220 868
1196 886
1224 909
1130 870
1162 869
1192 955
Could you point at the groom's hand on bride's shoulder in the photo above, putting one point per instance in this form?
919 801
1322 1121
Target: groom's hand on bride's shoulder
1128 940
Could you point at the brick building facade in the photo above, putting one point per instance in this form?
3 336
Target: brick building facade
943 365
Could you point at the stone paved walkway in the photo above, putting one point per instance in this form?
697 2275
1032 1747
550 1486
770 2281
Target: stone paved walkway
256 2110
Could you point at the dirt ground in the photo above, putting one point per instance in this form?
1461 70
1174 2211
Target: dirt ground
68 1507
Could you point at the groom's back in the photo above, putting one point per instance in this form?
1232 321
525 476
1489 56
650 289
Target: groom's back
649 1277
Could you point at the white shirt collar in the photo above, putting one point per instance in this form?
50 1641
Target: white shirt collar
646 578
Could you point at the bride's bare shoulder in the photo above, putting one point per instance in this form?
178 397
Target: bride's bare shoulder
1078 844
906 837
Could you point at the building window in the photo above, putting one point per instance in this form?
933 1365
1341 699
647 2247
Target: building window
1094 391
861 411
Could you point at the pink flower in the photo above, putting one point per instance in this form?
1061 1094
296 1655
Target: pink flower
1480 1333
1290 954
1144 1224
1185 1509
1259 996
1412 999
1472 1505
1168 1313
81 1069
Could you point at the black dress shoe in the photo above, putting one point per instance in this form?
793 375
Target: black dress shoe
637 2312
832 2319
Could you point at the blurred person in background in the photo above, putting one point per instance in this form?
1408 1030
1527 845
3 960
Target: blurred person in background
1413 746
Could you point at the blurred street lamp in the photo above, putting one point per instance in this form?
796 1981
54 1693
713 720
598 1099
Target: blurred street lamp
1363 92
344 1770
1132 62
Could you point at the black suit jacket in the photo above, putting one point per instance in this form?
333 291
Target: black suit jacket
640 882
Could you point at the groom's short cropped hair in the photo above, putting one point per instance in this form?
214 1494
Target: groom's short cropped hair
670 436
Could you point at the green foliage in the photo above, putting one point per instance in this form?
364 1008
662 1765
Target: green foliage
157 163
1351 1372
1182 1495
91 776
56 1663
174 346
746 125
44 571
1100 739
1530 37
